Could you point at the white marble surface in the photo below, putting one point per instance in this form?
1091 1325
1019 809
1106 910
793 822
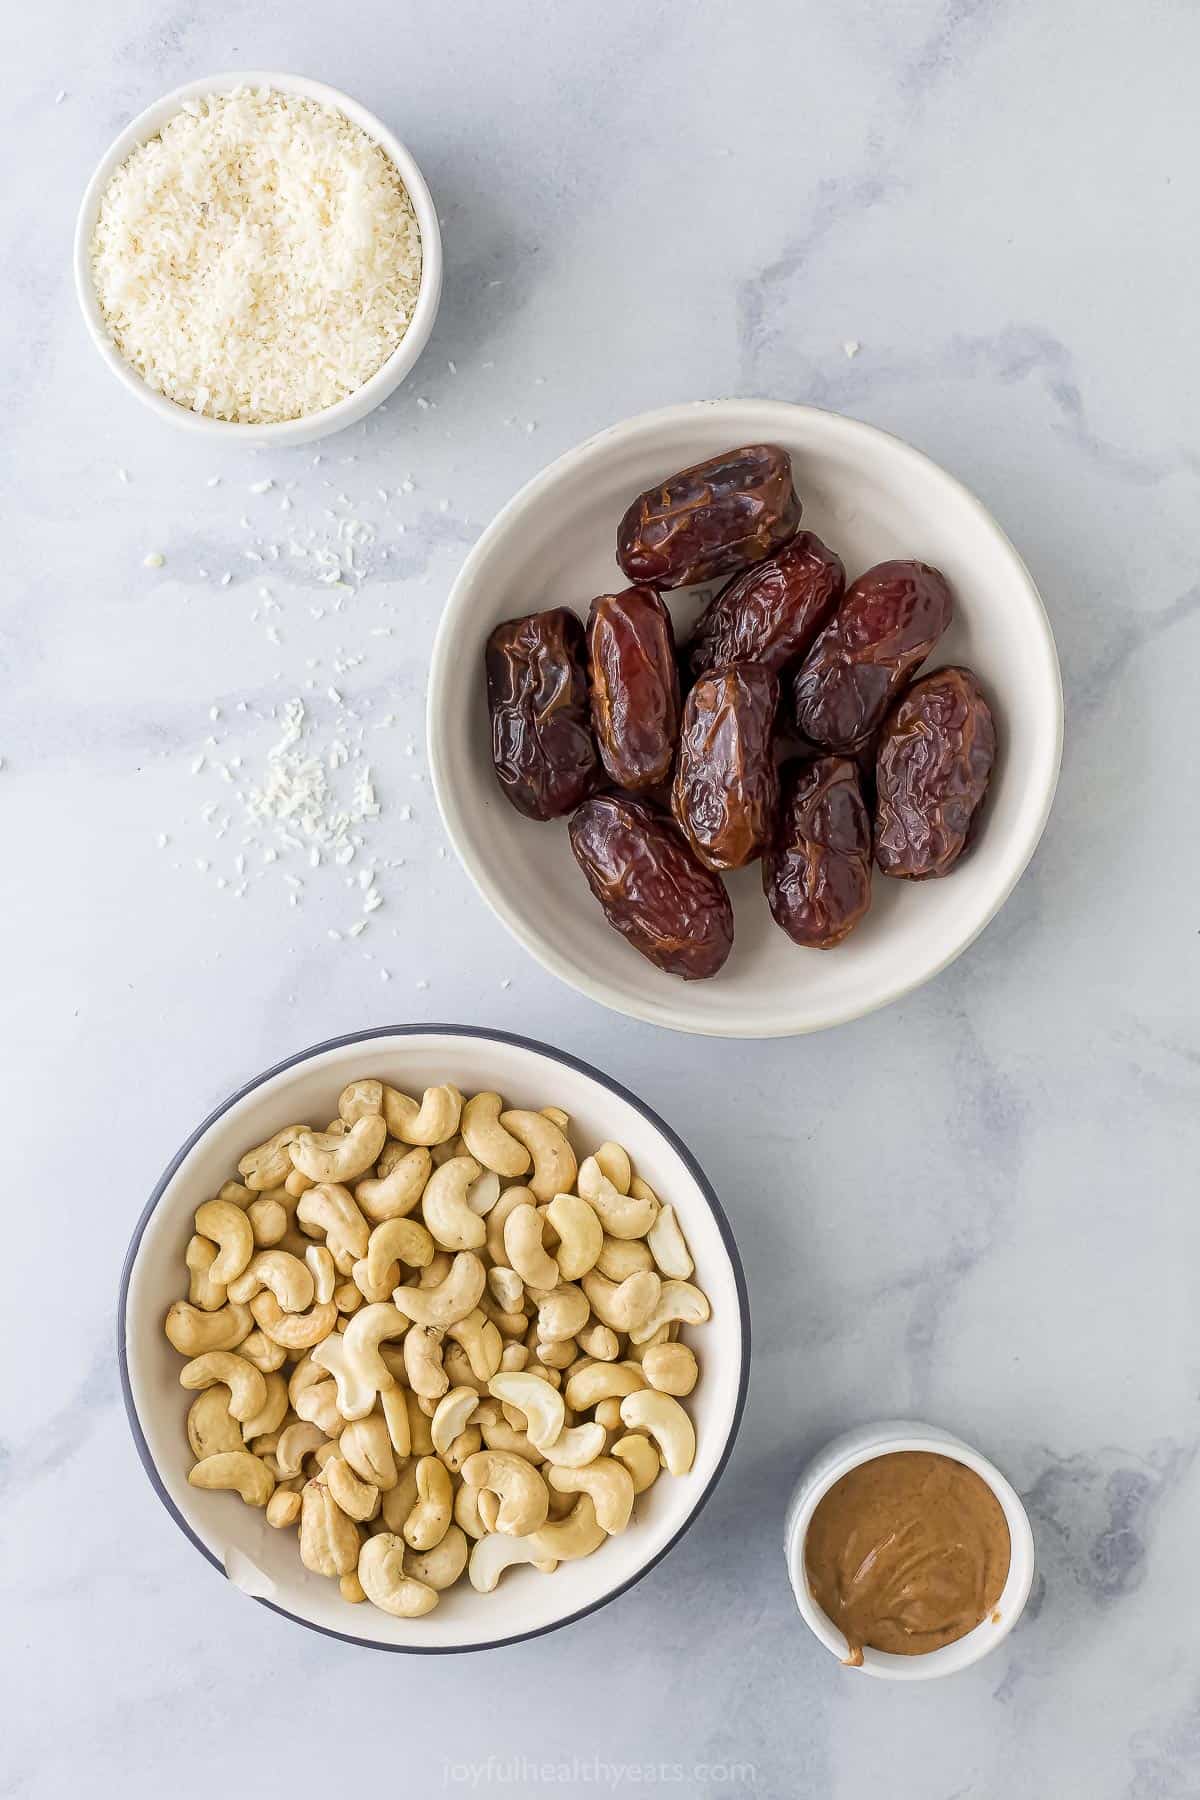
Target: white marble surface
978 1207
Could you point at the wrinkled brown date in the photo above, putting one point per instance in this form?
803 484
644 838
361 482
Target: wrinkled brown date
635 686
932 770
771 613
885 627
653 891
710 520
817 874
726 791
537 694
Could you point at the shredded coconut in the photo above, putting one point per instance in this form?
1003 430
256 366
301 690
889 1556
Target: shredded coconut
259 260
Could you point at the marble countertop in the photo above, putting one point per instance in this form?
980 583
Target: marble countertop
978 1207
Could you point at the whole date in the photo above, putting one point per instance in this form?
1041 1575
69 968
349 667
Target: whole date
542 745
883 630
931 774
726 790
635 686
771 613
817 874
712 519
651 886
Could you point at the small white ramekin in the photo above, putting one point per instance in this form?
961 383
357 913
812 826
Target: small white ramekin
385 379
862 1445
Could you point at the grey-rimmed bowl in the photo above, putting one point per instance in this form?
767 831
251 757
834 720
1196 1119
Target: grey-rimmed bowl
236 1538
386 379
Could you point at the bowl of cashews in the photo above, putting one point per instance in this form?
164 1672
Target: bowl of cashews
433 1338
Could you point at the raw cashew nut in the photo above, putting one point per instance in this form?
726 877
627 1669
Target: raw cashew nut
509 1200
567 1539
507 1288
423 1362
602 1381
192 1332
247 1387
324 1156
295 1443
323 1270
678 1303
624 1307
285 1275
640 1458
435 1120
229 1228
269 1165
495 1553
272 1413
237 1470
295 1331
440 1567
577 1445
559 1354
269 1218
394 1194
451 1300
203 1291
622 1257
211 1427
262 1351
580 1235
368 1449
541 1404
429 1520
452 1416
283 1508
610 1486
671 1368
328 1539
399 1501
329 1210
523 1244
352 1358
665 1421
381 1571
418 1425
445 1209
614 1164
608 1414
668 1246
600 1342
395 1414
357 1499
396 1241
523 1495
487 1140
554 1165
561 1313
622 1215
483 1193
502 1436
360 1100
482 1342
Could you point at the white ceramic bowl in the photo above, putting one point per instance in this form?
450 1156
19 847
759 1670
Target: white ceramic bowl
863 1445
869 496
386 379
236 1538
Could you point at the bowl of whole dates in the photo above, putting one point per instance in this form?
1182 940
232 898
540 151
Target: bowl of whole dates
745 718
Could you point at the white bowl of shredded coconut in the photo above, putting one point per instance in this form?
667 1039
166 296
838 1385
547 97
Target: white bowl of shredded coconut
257 256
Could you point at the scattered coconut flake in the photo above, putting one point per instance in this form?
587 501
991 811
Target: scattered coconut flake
851 348
153 559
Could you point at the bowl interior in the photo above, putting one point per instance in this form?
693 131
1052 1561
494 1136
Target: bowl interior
310 426
870 497
266 1561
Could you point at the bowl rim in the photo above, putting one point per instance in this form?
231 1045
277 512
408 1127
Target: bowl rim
446 657
352 407
492 1036
888 1437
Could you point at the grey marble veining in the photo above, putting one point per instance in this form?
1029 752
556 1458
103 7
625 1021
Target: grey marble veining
979 1206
